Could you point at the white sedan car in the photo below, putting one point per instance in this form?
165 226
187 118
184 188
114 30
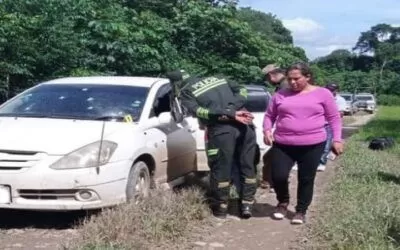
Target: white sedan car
91 142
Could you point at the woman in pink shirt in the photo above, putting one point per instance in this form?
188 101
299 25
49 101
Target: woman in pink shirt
299 115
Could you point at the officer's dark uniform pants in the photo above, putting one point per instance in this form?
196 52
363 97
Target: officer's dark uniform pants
229 143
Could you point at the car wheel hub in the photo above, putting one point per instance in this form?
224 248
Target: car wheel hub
141 187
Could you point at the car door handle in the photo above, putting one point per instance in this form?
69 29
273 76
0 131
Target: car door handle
191 130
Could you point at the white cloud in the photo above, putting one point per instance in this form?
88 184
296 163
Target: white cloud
331 47
303 29
327 43
326 25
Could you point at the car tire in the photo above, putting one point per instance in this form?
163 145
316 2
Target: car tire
139 182
199 179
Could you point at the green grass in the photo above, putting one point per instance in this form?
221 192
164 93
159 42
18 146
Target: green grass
362 207
387 123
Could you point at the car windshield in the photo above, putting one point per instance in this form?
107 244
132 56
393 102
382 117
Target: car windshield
78 101
257 101
364 98
347 97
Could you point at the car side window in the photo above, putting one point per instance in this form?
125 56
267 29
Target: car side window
257 101
162 100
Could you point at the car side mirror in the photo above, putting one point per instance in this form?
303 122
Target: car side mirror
164 118
155 121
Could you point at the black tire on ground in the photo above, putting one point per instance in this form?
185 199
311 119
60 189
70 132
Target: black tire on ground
202 179
138 186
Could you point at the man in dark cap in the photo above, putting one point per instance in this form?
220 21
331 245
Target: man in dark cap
275 76
219 104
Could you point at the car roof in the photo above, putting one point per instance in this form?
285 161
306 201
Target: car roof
364 94
109 80
255 86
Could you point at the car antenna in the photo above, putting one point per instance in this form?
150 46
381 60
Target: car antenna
100 147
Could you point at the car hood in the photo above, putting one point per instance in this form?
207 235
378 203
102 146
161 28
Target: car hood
52 136
366 102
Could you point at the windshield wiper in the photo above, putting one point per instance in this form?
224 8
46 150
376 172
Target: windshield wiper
44 116
109 117
24 115
119 118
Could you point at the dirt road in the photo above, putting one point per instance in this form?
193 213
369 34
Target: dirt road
34 230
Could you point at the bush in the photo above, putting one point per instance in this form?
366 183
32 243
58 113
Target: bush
389 100
164 220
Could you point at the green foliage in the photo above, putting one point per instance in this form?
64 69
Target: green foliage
389 100
370 40
43 39
267 25
377 73
361 209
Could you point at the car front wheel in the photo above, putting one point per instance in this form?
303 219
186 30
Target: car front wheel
138 186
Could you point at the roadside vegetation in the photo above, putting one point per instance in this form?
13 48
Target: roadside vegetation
361 209
166 220
46 39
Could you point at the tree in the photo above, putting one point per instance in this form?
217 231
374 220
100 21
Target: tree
374 68
337 60
42 39
370 40
267 25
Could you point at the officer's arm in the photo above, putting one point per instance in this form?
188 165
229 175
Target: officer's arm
189 101
240 92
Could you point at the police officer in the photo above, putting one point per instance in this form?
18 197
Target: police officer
219 104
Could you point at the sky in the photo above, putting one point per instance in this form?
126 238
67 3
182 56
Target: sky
321 26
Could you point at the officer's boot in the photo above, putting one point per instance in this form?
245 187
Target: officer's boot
246 209
220 210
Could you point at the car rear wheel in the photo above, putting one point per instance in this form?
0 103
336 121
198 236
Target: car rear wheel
138 186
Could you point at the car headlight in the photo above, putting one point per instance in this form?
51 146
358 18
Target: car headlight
88 156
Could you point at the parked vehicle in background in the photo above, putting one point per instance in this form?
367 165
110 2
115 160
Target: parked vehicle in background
366 102
257 100
351 103
91 142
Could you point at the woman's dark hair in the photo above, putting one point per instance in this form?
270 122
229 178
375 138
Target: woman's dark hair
304 69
